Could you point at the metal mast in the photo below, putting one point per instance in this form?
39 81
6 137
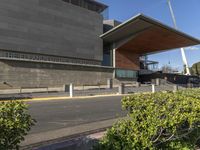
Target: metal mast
182 49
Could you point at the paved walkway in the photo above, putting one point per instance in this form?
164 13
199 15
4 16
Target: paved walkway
82 93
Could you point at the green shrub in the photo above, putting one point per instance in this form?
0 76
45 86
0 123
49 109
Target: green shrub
195 93
15 122
195 69
157 121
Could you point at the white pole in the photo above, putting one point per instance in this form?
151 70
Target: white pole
114 59
153 88
71 90
182 49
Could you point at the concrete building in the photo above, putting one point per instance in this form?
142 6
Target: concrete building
48 43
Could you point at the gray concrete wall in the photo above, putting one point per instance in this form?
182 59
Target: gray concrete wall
109 24
50 27
27 74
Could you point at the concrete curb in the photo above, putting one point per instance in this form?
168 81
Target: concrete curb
64 98
41 139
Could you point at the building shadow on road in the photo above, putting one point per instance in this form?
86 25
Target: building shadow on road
81 143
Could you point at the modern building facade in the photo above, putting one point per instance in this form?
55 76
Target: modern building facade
130 41
48 43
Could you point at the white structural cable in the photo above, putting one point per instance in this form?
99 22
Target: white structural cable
182 49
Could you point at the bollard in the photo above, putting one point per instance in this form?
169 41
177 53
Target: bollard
175 88
71 90
157 81
153 88
109 83
121 88
189 85
138 84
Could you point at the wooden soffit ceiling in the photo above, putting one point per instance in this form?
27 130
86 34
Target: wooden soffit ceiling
144 35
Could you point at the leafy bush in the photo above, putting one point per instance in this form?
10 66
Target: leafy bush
190 93
157 121
15 122
195 69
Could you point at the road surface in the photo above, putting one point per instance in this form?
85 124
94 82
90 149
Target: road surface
58 114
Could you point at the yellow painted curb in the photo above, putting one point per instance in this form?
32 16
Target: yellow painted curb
65 98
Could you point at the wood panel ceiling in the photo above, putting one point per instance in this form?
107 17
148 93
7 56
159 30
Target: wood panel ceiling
156 39
144 35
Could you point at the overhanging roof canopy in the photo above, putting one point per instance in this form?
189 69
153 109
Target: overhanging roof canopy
145 35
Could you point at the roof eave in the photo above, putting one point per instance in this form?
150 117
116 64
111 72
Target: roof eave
151 21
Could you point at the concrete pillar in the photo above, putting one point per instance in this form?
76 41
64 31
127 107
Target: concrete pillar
153 88
66 88
175 89
189 85
114 59
138 84
153 81
71 90
121 88
114 55
157 81
109 83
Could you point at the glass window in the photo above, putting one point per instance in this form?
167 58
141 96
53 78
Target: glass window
88 4
122 73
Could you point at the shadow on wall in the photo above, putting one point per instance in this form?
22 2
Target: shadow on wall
36 65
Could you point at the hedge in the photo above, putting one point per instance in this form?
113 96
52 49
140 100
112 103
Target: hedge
157 121
15 122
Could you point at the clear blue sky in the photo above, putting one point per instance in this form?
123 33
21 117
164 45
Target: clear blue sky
187 14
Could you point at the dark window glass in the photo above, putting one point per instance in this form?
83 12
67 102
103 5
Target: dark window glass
88 4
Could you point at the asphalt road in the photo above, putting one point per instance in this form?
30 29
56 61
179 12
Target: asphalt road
57 114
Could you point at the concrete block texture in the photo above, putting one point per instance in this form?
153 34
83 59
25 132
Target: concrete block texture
18 74
51 27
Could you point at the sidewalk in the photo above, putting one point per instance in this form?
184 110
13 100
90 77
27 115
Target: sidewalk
78 92
22 96
56 89
13 94
50 89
